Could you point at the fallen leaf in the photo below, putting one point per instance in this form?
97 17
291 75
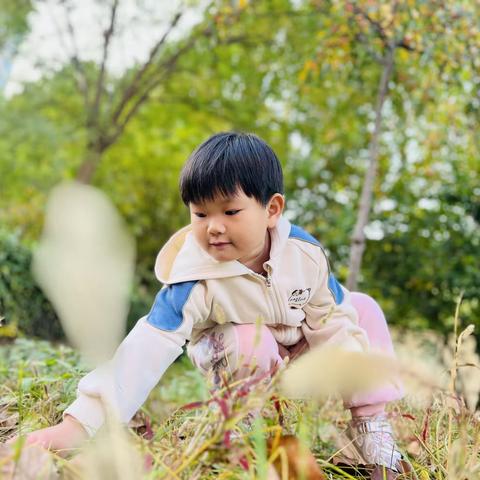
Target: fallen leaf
32 463
301 462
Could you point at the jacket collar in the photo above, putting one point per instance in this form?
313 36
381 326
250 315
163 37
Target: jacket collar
183 260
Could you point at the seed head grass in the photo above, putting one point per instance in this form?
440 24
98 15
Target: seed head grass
191 429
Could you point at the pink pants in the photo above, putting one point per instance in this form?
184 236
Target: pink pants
232 347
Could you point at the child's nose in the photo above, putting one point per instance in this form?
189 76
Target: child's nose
216 227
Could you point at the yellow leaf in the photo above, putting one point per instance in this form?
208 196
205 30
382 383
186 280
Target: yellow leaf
424 475
308 67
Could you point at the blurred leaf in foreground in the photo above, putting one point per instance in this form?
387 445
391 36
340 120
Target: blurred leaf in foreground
85 263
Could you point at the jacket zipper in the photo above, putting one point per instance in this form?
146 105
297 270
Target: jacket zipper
268 280
277 295
272 292
265 280
267 283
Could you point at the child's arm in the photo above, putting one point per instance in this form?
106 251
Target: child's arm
138 364
67 435
125 382
330 318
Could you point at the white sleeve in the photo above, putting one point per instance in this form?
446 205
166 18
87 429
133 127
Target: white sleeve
144 355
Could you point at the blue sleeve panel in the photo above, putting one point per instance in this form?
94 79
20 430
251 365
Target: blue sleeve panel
335 288
167 311
301 234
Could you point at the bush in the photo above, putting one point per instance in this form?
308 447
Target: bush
141 300
22 303
24 306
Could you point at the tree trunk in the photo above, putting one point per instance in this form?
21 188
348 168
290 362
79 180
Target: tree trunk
87 168
357 245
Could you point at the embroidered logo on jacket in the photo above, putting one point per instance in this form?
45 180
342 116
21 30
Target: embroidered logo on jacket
299 298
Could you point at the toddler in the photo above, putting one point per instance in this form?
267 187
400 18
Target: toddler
238 261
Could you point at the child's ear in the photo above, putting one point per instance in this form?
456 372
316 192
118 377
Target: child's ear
275 208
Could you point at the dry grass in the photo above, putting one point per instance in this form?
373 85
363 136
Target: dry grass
219 436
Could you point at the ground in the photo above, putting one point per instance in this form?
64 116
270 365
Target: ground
216 437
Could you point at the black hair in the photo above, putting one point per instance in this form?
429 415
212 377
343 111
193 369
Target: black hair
228 161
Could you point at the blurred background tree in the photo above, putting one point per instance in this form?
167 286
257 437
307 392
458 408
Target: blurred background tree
304 75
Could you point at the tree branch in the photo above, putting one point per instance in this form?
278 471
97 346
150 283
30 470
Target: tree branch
144 93
82 79
79 74
357 246
131 89
376 25
107 36
401 43
145 90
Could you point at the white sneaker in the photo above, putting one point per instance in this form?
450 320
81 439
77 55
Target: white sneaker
372 439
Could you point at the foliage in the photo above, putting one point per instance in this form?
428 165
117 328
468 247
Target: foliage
304 77
21 301
24 307
13 21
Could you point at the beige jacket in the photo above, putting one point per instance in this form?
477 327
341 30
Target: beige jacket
298 297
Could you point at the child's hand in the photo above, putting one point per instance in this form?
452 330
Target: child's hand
293 351
66 435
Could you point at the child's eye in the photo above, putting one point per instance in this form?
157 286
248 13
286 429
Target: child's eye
231 212
200 215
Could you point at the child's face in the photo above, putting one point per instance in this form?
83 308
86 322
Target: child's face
235 228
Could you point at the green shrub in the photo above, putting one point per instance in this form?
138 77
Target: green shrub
141 300
22 303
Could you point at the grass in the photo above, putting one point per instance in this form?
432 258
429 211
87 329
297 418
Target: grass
216 437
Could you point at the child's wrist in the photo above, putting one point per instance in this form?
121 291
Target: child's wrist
72 422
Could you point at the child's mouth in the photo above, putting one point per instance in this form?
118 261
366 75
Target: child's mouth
220 245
